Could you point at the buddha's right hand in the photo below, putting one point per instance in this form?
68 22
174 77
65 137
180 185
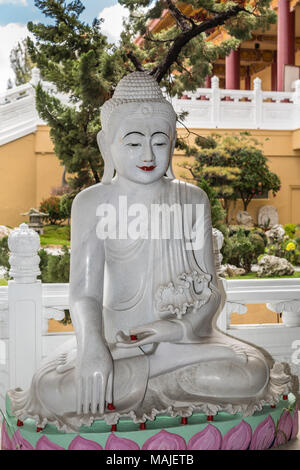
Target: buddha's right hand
94 380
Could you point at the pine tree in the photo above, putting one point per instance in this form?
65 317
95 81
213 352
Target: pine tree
180 57
234 166
77 58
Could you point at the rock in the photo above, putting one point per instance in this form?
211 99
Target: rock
4 231
54 251
270 265
218 239
3 272
276 234
268 216
244 218
231 270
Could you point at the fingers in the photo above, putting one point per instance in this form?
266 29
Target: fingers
87 394
79 395
95 393
103 383
109 390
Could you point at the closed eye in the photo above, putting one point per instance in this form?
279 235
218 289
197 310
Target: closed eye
159 144
133 145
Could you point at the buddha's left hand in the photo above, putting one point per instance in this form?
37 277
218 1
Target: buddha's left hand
157 332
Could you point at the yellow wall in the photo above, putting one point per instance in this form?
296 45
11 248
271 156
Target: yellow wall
29 170
284 160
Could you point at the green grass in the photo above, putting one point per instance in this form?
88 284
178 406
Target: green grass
56 235
3 282
253 276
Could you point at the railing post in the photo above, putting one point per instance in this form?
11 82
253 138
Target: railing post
215 100
35 76
258 103
25 306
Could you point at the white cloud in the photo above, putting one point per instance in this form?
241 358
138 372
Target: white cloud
10 35
113 21
14 2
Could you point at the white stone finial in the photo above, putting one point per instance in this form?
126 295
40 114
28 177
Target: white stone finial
35 76
215 82
257 83
24 244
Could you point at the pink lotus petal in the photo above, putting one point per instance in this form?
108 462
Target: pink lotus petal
80 443
263 435
44 444
20 443
209 438
120 443
6 443
284 429
295 418
238 438
165 440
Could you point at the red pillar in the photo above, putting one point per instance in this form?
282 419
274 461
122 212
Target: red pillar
232 70
208 81
285 40
274 72
292 38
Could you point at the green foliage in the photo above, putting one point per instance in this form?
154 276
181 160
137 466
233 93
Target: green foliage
217 212
55 268
194 60
234 166
290 230
77 58
243 246
51 206
65 204
4 252
56 235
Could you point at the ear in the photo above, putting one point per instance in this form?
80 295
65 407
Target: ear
170 173
108 163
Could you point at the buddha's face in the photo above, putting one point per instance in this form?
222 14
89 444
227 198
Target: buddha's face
141 146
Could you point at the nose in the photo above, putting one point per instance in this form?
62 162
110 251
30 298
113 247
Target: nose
148 156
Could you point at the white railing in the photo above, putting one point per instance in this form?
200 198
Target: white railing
26 306
240 109
207 108
18 114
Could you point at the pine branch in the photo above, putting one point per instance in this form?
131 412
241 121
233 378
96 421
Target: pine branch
188 34
135 61
183 21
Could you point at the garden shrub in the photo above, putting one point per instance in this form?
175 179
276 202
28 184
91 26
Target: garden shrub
51 206
4 253
55 268
290 230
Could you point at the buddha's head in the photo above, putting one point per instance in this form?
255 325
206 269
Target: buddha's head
138 131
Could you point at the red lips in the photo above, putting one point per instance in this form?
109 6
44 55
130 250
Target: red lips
147 168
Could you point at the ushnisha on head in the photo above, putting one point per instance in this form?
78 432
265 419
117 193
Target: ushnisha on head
139 123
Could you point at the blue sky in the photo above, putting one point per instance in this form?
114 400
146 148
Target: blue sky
22 11
15 14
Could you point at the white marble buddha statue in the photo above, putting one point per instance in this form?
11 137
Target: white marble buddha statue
143 307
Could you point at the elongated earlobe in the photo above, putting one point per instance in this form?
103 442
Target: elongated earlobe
108 163
170 172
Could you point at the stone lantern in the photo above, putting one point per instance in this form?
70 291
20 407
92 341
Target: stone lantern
35 220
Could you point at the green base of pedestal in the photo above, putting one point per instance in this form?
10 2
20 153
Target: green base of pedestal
267 428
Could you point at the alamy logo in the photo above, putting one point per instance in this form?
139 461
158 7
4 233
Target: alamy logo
159 221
